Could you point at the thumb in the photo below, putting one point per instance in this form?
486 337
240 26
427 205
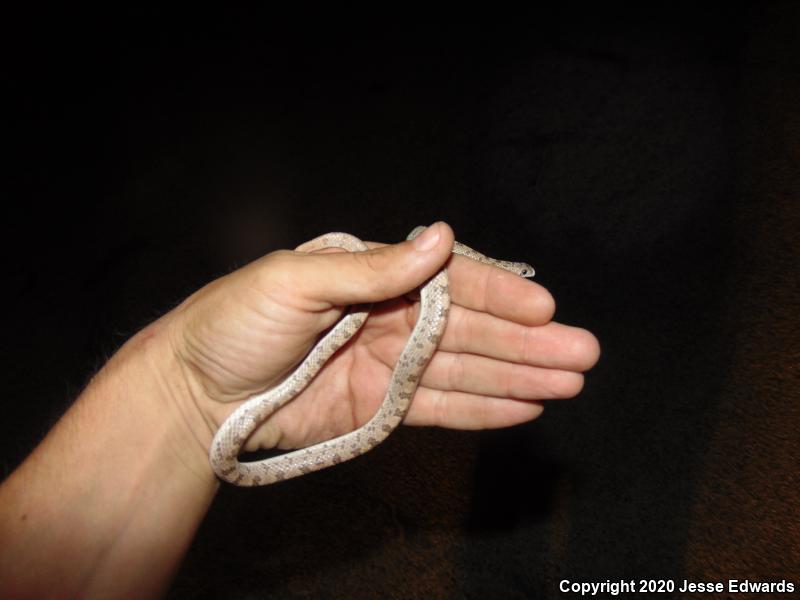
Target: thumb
381 273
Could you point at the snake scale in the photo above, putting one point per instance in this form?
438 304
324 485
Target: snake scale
418 351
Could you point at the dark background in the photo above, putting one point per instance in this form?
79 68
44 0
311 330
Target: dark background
646 163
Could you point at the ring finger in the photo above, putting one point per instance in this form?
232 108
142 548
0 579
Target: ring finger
469 373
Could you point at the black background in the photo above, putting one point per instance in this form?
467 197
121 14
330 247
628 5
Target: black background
644 162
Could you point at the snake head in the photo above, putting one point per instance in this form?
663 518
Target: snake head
524 270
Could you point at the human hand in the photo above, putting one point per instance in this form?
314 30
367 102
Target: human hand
501 353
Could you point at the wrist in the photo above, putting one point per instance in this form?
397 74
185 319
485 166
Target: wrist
116 489
151 362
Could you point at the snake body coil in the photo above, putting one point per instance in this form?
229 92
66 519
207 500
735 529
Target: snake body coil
417 353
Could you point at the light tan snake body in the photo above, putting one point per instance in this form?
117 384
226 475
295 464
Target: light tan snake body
418 351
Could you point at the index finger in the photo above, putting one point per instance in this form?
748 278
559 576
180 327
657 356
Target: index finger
490 289
486 288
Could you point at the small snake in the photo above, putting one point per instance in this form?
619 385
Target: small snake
418 351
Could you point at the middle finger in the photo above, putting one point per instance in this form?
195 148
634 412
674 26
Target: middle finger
552 346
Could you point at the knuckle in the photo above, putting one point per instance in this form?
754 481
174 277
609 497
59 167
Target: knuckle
278 263
455 374
462 323
511 383
483 414
486 288
374 264
275 269
439 409
370 260
525 346
280 258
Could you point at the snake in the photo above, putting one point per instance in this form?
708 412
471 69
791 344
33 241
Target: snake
434 298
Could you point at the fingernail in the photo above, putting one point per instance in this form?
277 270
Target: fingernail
428 239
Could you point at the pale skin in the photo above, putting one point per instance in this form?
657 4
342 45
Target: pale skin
108 503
